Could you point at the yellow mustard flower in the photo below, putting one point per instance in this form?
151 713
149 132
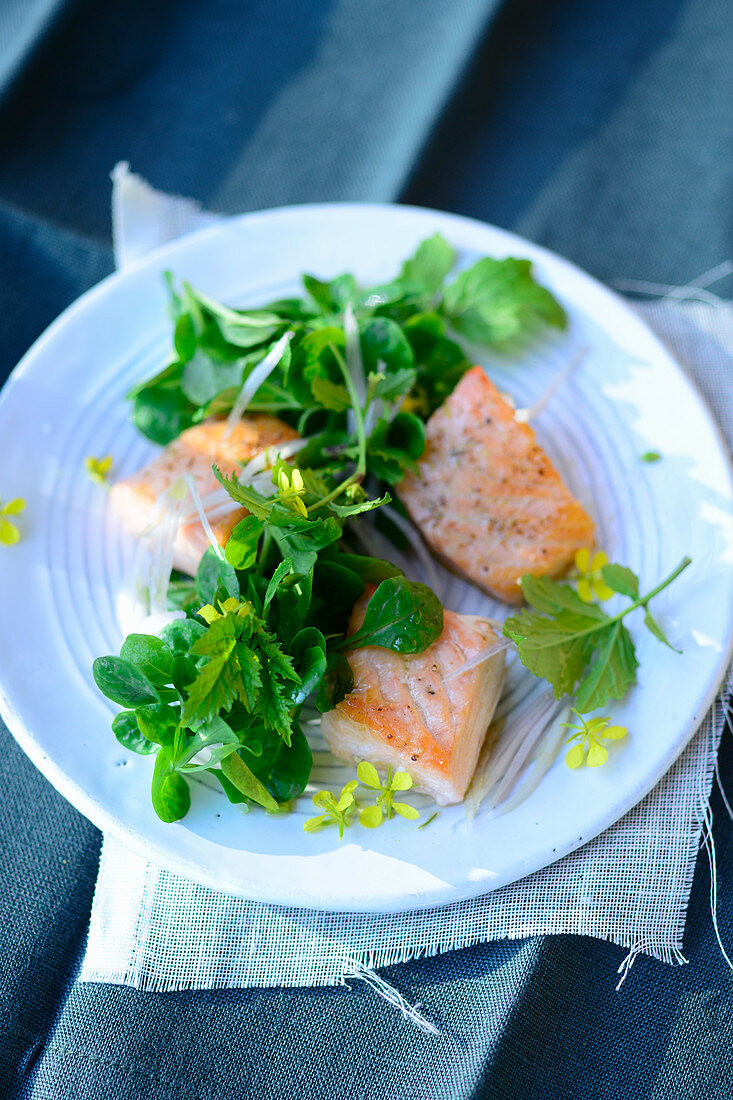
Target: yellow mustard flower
591 583
99 469
291 489
587 741
9 532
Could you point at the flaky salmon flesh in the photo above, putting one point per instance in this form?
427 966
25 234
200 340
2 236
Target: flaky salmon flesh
406 711
194 452
486 497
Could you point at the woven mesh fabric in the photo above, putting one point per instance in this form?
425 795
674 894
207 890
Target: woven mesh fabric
155 930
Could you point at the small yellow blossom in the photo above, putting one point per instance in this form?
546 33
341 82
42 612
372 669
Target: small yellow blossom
99 469
291 489
591 582
590 736
210 614
9 532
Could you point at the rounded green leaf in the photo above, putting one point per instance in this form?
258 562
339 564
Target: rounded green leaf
151 655
405 616
313 824
212 572
368 775
371 817
127 732
384 346
169 790
122 682
180 635
157 722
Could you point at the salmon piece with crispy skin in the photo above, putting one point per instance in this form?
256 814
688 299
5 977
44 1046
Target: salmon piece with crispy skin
194 452
405 712
487 498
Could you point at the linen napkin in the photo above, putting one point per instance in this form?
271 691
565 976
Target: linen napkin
157 931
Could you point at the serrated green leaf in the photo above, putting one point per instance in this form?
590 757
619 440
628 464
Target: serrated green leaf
433 260
557 650
496 300
331 395
550 597
613 671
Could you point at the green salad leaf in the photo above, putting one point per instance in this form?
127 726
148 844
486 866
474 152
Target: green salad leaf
577 646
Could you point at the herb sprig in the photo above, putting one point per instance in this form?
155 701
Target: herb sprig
577 646
221 690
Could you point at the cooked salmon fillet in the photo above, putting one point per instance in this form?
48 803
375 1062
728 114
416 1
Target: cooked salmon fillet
487 498
404 712
193 453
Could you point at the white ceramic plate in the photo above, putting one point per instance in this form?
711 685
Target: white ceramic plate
57 587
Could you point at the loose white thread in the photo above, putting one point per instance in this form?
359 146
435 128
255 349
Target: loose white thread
392 996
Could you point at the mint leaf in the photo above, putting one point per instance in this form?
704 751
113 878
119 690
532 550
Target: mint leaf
497 300
432 262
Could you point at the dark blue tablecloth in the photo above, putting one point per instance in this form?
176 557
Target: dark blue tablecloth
603 128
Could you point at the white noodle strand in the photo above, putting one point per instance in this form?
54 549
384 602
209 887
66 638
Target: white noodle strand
259 375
